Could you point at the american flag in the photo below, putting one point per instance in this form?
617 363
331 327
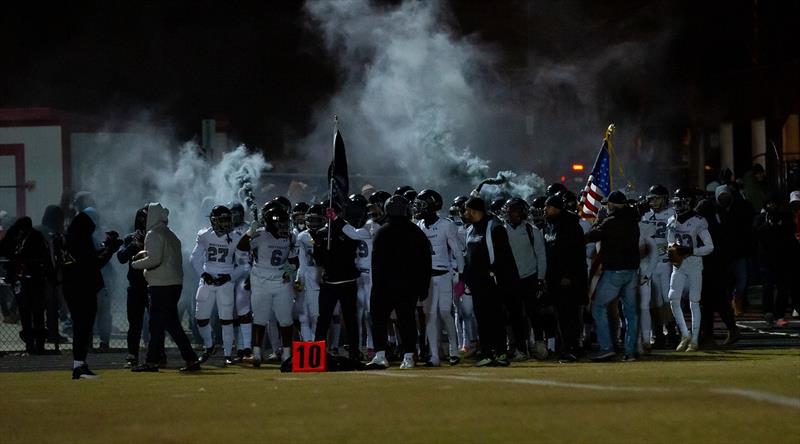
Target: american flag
599 185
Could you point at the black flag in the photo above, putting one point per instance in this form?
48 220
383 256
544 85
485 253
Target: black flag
337 172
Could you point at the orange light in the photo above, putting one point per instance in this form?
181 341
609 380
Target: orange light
577 167
707 168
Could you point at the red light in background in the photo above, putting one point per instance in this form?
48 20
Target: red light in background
577 167
563 179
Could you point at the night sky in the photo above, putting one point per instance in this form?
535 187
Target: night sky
264 67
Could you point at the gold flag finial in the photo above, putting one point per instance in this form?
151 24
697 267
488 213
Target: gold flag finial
610 130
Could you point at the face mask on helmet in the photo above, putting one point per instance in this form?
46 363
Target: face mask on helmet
315 222
222 223
656 203
375 212
682 205
299 221
420 209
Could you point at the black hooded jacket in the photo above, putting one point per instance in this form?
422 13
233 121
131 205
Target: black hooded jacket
478 270
338 263
82 267
619 237
566 249
131 245
401 259
26 250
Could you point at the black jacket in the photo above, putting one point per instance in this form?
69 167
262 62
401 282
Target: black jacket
777 246
619 237
338 263
131 245
566 249
82 275
736 227
401 259
27 251
478 272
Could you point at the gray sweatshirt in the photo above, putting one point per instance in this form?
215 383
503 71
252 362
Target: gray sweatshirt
530 259
162 263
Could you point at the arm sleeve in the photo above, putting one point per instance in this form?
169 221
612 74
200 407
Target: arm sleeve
154 248
708 244
456 247
596 233
540 251
198 256
355 233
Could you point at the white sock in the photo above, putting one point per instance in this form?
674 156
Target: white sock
551 344
205 333
646 324
381 355
246 332
286 353
227 339
408 357
257 353
677 313
76 364
695 308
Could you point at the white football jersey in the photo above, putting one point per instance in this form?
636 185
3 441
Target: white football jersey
364 237
305 255
692 233
270 254
445 243
215 254
659 223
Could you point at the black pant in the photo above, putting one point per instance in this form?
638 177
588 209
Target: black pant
31 305
539 308
164 317
52 302
82 303
346 295
773 279
488 302
137 304
514 304
381 306
715 299
568 304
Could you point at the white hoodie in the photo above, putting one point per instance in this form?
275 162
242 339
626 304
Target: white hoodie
162 263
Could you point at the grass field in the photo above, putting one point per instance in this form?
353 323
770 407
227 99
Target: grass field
726 396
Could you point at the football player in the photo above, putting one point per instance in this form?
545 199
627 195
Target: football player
362 231
308 273
689 240
274 251
655 288
445 245
299 217
466 325
214 259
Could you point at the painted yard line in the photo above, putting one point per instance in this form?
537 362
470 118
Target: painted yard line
760 396
750 394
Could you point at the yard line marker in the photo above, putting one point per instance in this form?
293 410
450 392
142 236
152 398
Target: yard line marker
760 396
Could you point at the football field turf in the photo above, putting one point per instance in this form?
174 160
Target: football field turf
749 395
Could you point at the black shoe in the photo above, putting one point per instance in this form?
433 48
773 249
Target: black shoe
207 354
286 366
602 355
83 372
146 367
163 362
454 360
228 361
502 361
567 357
191 367
240 354
131 361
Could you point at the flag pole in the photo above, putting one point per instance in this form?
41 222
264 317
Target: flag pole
330 191
607 139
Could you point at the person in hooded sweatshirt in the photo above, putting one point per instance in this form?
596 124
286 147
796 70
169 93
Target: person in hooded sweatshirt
137 286
82 282
28 267
162 263
401 268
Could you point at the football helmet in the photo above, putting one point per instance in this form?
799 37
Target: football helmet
237 213
375 205
682 200
299 215
657 197
315 217
276 221
426 203
221 219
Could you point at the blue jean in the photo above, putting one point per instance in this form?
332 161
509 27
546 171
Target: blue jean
739 273
614 284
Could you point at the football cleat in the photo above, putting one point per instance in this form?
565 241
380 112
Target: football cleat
566 357
454 360
628 358
684 344
540 350
228 361
207 354
83 372
131 361
273 357
146 367
486 362
502 361
407 364
377 364
286 366
693 347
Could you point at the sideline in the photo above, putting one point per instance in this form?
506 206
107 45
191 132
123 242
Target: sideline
754 395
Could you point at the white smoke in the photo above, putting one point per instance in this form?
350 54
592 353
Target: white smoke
416 102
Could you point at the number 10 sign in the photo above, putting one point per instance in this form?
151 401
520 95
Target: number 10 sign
308 356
